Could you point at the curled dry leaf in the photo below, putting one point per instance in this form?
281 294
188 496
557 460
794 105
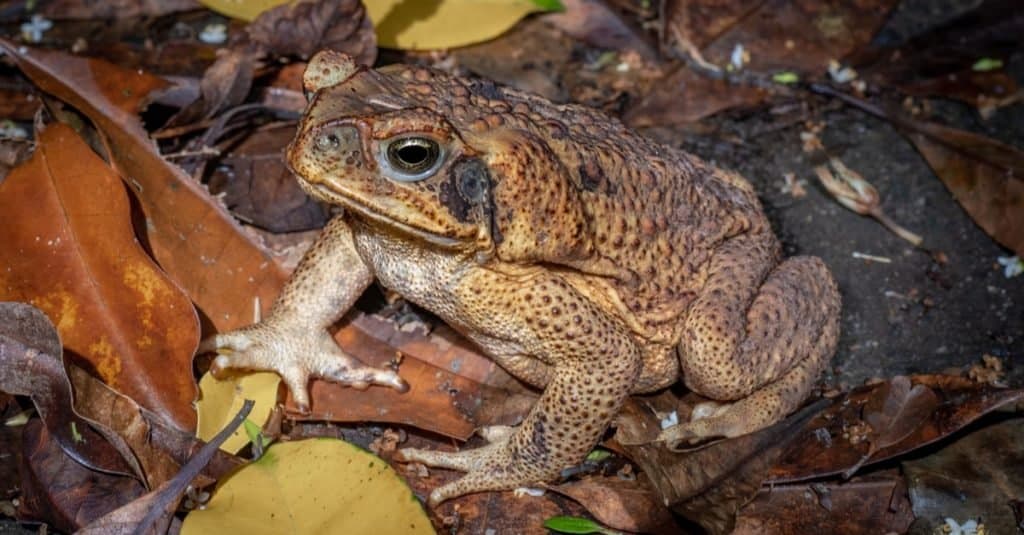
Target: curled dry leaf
73 254
61 492
30 365
708 485
594 22
219 266
825 446
984 175
302 28
100 429
160 448
894 416
153 513
857 194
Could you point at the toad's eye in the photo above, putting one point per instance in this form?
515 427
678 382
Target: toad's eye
411 158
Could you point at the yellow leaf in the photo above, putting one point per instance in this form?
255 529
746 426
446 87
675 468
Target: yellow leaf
319 485
431 24
419 24
219 401
241 9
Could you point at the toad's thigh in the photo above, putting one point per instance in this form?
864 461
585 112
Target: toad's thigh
739 340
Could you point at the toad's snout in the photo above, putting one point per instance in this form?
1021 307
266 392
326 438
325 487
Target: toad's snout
324 150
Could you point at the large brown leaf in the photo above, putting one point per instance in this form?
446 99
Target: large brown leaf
73 254
453 389
220 266
985 176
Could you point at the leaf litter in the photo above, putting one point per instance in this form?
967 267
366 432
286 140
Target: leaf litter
729 60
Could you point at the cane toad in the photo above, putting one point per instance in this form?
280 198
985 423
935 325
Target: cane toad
586 260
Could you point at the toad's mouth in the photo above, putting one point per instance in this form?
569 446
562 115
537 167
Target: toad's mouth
363 209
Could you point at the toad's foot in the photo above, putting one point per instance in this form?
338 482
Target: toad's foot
760 409
496 466
295 355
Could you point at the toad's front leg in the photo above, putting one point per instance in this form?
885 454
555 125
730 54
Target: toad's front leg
293 340
594 363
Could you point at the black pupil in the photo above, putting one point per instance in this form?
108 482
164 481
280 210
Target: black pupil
413 155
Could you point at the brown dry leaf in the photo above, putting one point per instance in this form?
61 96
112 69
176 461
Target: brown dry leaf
768 36
30 365
302 28
974 477
895 415
73 254
117 9
256 185
987 90
869 506
441 401
791 35
59 491
985 176
989 28
221 267
711 484
700 22
514 59
825 446
153 513
622 504
291 29
685 96
594 22
161 449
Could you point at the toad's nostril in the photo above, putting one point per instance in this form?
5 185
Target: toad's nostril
327 141
336 139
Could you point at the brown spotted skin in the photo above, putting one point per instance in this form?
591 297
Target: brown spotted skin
583 258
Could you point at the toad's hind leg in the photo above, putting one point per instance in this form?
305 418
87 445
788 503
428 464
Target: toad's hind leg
762 346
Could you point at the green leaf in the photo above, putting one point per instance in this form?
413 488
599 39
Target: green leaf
987 64
598 455
785 77
574 524
549 5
